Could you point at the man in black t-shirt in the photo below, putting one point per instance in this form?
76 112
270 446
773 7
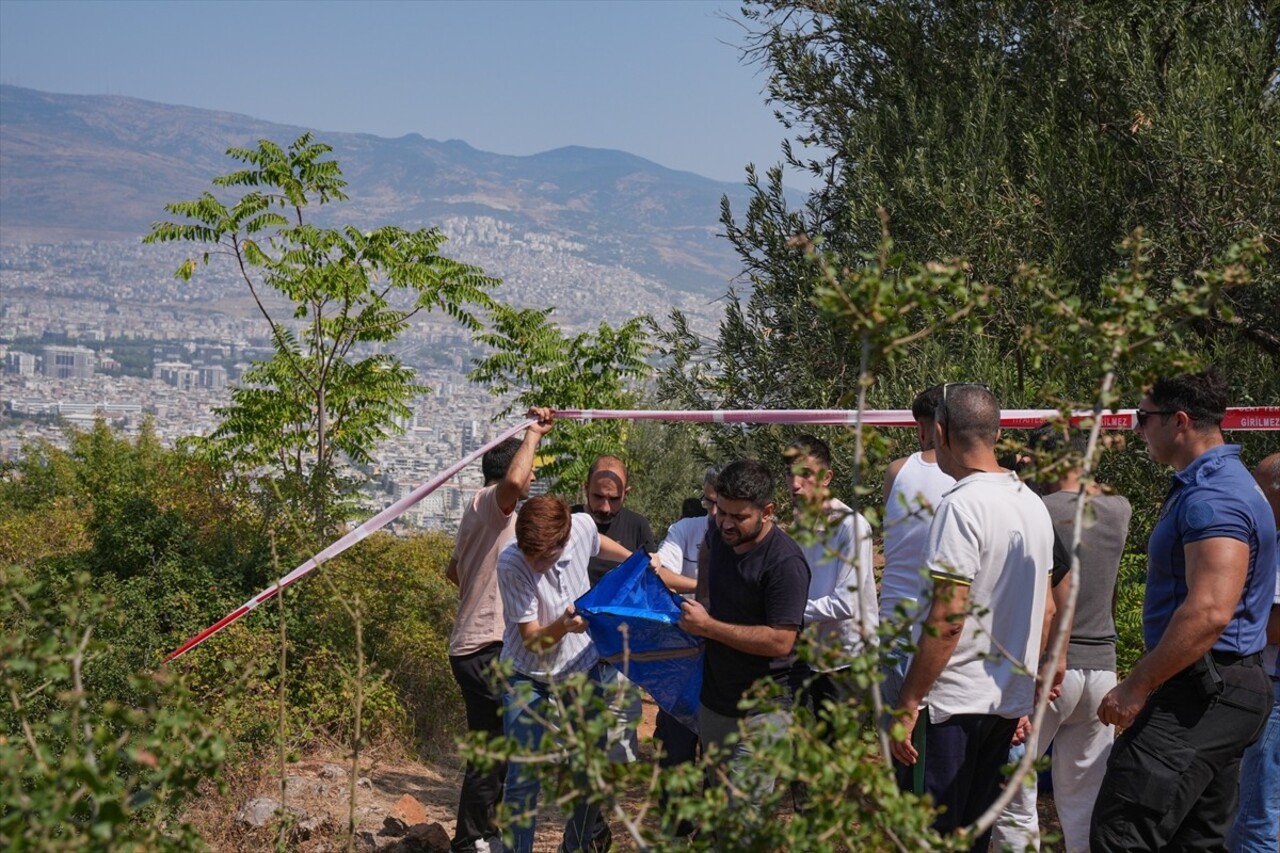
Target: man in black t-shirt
752 591
606 489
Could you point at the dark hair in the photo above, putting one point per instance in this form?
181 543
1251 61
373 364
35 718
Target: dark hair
746 480
807 445
1203 396
542 525
969 413
926 403
692 508
495 462
1054 438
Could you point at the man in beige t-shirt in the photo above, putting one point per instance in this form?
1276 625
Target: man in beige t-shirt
488 524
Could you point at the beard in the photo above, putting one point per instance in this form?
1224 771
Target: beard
742 535
604 516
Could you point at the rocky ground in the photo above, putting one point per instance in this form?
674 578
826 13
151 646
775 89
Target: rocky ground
401 806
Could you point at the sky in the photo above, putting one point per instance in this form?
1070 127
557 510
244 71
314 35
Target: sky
662 79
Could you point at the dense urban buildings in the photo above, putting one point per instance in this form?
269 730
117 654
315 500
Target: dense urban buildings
103 330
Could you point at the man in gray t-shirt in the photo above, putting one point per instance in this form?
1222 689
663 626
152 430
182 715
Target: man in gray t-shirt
1081 743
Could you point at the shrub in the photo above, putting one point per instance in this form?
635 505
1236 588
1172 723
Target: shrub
80 770
407 609
1131 586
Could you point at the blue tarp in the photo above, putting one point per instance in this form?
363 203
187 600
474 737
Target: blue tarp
655 653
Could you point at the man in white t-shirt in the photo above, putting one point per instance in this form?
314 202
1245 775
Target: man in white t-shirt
913 488
540 575
989 557
487 525
682 545
681 549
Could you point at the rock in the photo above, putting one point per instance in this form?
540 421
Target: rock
302 785
332 771
312 826
364 782
393 827
261 811
409 810
367 842
427 838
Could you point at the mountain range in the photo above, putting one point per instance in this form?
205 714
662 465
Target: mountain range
95 167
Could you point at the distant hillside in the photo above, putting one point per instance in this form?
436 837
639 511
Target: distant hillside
102 168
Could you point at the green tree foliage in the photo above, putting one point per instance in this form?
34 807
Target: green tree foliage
80 769
329 394
407 611
1011 136
155 530
538 365
1008 134
667 463
174 550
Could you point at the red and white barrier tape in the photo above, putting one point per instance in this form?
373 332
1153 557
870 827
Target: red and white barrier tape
379 521
1245 418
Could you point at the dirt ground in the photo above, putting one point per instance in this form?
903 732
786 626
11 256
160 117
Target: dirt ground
315 787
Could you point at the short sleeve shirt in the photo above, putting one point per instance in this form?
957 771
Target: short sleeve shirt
629 529
679 550
542 597
482 534
1213 497
992 534
768 585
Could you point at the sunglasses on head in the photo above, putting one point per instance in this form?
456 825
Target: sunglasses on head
953 385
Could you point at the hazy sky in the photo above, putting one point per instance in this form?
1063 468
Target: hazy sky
658 78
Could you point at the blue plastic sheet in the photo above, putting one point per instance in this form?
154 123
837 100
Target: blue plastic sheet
632 616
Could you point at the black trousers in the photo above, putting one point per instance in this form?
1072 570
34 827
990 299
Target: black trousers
679 745
960 767
481 791
1172 777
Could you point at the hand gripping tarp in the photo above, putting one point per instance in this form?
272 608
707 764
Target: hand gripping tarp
654 652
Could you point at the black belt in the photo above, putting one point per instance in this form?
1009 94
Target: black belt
1233 659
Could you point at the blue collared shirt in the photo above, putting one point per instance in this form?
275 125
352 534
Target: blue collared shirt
1213 497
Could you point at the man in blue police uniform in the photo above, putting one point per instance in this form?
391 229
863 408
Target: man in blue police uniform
1200 695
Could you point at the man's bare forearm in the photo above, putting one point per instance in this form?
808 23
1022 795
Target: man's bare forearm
763 640
1190 634
935 651
938 641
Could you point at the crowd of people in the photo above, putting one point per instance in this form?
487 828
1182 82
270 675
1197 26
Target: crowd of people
978 563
